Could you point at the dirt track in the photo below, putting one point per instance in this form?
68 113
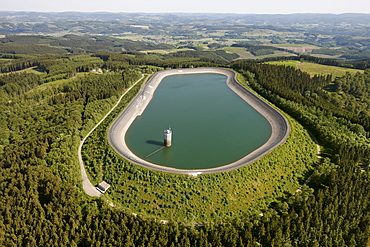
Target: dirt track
279 124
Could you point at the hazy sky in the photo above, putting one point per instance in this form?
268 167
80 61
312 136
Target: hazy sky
192 6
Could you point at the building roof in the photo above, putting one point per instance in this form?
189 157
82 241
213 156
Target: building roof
169 131
103 186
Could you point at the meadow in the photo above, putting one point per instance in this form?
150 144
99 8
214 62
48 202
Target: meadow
317 69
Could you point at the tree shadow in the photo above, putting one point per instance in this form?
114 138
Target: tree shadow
154 142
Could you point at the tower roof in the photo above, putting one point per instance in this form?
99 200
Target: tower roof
168 131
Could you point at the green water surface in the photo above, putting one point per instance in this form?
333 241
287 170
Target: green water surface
212 126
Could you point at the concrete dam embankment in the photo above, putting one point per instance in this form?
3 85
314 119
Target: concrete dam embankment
279 124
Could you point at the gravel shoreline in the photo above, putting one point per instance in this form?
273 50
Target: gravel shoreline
279 124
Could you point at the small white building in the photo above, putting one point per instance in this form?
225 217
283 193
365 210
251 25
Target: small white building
102 187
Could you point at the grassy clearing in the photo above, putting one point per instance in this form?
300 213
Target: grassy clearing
291 63
316 69
242 52
62 81
313 68
28 70
31 70
5 59
57 82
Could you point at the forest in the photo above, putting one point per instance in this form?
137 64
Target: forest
50 101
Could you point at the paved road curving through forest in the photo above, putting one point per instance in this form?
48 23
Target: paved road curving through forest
279 124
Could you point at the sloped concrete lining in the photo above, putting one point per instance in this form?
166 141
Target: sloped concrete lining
279 124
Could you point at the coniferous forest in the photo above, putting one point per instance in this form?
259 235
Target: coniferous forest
50 102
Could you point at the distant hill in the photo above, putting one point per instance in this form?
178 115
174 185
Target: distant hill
190 18
336 36
37 44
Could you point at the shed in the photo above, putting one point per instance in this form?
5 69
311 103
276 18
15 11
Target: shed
102 187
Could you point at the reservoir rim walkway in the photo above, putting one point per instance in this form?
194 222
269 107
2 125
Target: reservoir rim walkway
280 127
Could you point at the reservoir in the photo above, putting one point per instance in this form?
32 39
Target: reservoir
211 125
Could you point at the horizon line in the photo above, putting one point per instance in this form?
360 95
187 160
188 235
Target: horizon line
178 12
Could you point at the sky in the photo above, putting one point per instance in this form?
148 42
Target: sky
191 6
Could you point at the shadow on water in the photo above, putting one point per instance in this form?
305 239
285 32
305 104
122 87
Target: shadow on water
154 142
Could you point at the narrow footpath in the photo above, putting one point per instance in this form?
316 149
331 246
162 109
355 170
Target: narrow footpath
318 163
88 187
